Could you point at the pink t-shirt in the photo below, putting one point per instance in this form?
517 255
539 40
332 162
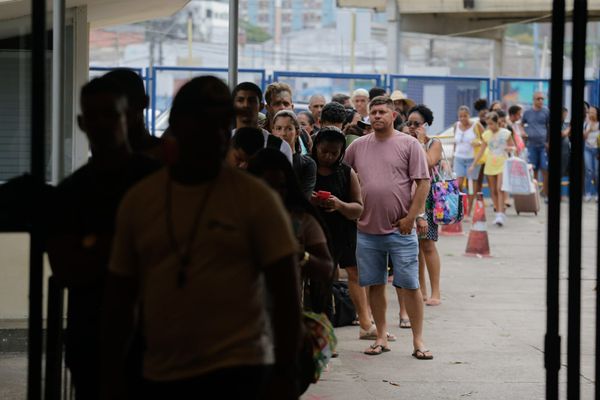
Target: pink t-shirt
387 170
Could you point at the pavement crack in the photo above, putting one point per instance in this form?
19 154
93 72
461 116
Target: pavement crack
564 365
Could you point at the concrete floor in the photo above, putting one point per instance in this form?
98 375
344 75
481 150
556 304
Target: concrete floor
487 336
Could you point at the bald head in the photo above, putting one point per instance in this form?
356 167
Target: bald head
315 105
538 100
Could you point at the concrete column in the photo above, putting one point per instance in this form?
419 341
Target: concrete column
394 40
497 57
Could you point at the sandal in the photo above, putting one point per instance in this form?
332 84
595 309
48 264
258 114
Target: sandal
371 334
405 323
377 349
422 354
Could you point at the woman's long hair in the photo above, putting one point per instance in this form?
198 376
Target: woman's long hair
295 201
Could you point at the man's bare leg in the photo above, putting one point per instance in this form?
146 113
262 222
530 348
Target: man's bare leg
404 318
414 306
378 302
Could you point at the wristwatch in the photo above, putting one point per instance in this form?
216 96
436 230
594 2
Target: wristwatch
421 216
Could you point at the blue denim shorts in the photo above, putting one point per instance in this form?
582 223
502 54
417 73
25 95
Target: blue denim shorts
461 168
372 255
538 157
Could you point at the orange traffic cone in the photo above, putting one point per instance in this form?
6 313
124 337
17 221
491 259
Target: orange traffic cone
478 244
452 230
455 229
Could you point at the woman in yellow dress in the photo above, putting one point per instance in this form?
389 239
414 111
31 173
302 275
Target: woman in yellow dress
499 142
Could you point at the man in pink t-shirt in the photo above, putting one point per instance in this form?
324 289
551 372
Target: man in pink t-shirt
389 164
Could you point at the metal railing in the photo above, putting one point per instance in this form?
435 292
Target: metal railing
443 94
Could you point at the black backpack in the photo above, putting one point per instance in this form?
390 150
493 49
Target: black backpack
344 312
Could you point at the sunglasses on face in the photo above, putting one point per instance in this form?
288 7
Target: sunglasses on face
539 98
416 124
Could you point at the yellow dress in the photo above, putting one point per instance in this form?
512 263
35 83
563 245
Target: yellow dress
497 143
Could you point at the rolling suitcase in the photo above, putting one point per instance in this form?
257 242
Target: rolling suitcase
528 203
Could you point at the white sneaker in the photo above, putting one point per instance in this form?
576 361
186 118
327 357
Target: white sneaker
587 198
499 220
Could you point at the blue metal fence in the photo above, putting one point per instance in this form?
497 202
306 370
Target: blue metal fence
442 94
167 80
305 84
520 90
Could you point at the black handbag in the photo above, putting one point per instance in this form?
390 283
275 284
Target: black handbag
344 312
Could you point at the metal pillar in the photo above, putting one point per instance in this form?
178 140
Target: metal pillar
575 193
553 340
234 7
58 91
38 171
394 41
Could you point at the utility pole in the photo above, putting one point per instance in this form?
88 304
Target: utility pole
353 42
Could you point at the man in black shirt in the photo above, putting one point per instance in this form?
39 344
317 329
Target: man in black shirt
80 237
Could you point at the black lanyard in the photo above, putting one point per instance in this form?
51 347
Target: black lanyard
184 252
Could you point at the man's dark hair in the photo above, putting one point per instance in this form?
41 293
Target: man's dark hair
424 111
513 110
103 85
207 98
501 114
382 100
250 140
334 113
376 91
340 98
481 104
249 87
133 86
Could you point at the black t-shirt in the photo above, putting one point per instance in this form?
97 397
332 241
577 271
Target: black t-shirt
342 230
86 203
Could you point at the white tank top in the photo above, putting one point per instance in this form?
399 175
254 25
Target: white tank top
463 140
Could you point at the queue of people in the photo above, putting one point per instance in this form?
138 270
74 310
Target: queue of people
208 256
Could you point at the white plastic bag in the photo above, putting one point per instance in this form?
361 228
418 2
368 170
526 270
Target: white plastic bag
517 178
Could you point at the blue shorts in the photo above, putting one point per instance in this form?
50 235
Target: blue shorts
372 256
538 157
461 168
